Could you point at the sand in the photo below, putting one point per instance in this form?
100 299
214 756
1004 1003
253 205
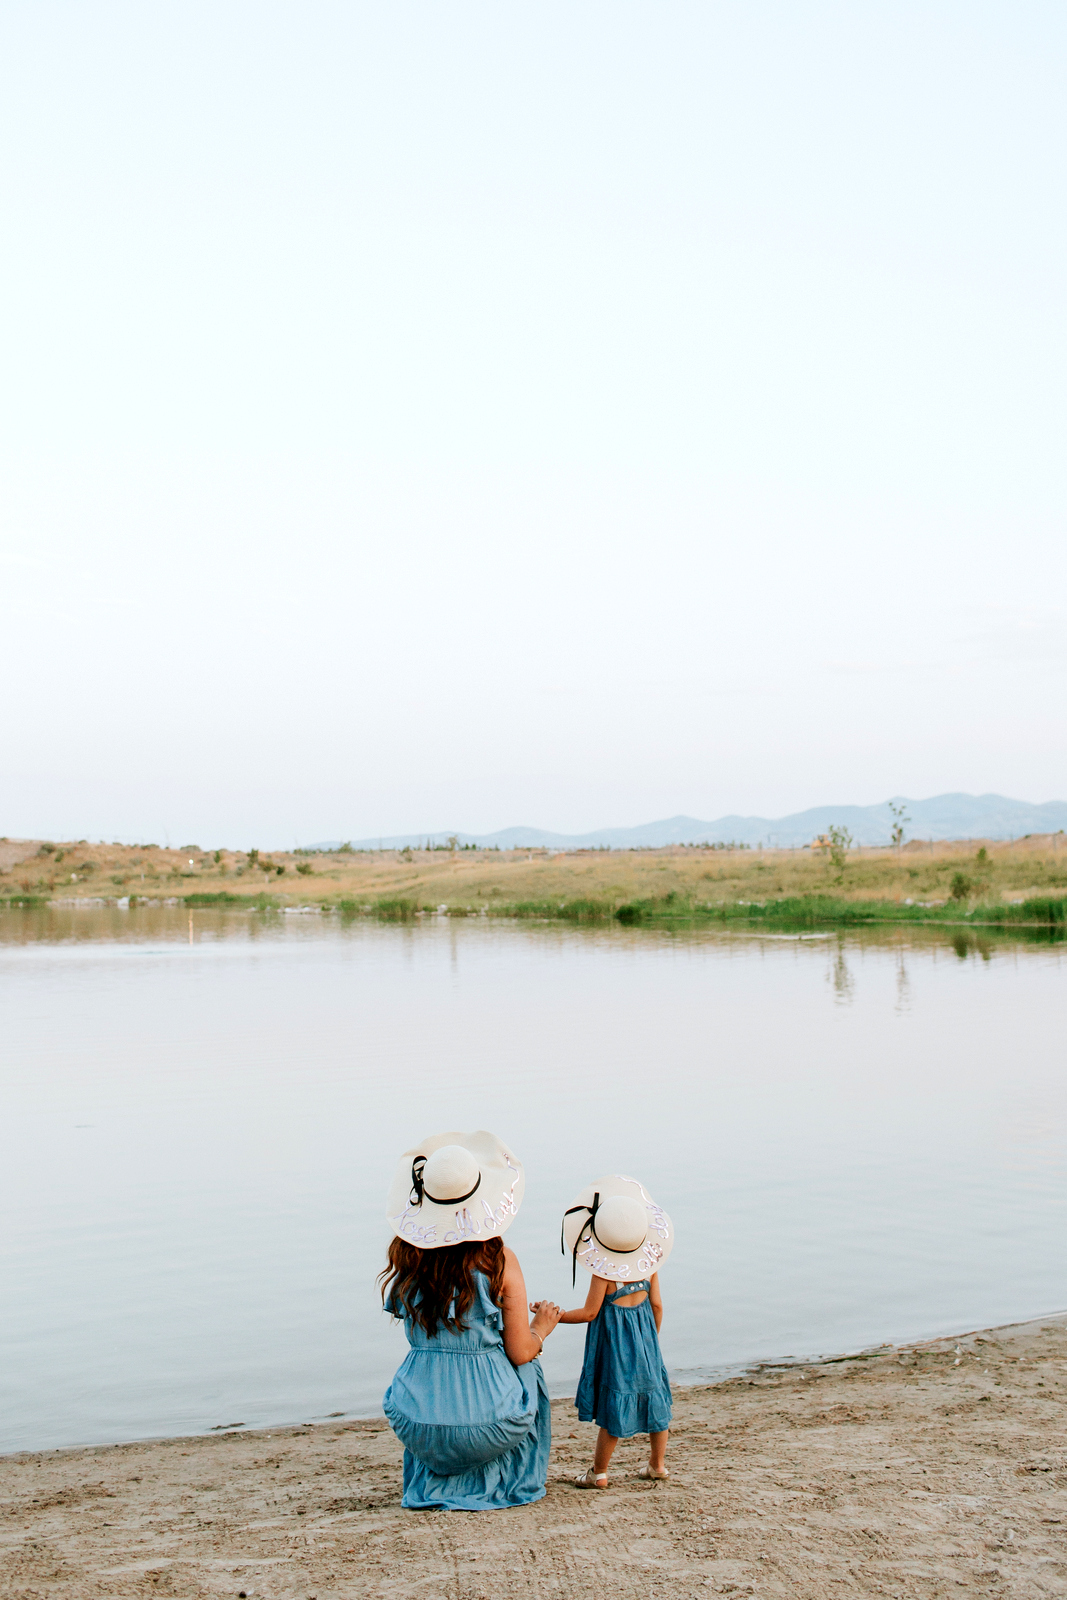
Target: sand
931 1470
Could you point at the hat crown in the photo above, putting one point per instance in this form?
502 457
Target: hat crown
621 1223
450 1173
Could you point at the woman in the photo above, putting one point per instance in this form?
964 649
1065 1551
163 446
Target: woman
469 1402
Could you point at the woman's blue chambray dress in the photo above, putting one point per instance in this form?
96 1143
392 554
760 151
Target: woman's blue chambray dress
624 1385
476 1431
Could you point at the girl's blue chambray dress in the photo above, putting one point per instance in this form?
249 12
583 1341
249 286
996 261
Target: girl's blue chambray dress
624 1385
476 1431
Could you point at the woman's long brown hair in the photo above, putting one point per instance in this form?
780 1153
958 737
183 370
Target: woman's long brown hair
437 1286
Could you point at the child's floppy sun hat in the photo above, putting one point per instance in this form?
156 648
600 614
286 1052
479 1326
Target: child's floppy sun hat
455 1188
617 1231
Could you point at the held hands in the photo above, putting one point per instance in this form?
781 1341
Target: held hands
545 1316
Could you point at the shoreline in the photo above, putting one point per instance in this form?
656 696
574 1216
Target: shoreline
910 1471
710 1377
995 885
1044 919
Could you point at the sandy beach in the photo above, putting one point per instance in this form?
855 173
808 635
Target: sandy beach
926 1470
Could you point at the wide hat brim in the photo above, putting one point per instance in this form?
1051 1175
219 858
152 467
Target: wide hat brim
618 1266
430 1225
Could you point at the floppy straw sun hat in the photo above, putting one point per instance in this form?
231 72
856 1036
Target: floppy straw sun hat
617 1231
455 1187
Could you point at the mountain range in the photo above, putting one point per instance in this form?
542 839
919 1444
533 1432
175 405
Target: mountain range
944 816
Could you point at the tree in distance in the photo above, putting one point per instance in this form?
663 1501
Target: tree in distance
899 819
840 843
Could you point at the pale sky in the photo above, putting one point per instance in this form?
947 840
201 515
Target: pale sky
423 416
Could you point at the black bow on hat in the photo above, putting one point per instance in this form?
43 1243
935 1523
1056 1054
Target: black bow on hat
592 1210
419 1189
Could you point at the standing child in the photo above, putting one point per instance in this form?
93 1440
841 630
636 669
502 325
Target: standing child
622 1237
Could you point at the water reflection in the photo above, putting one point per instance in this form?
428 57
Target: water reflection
862 1137
840 975
95 924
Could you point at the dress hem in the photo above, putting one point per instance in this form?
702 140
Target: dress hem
458 1505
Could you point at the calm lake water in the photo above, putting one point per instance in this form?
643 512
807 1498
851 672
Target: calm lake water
858 1141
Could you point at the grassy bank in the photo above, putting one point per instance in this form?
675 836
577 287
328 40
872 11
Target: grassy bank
1006 885
795 912
831 911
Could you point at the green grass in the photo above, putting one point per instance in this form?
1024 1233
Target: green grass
558 910
1041 912
246 902
395 909
833 911
222 898
387 909
32 902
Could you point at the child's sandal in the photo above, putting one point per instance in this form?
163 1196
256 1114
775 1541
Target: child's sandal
657 1474
592 1480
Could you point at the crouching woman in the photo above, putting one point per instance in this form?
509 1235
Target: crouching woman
469 1402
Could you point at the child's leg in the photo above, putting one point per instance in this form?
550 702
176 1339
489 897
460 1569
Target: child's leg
657 1449
605 1449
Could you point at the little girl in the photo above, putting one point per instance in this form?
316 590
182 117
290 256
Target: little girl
622 1237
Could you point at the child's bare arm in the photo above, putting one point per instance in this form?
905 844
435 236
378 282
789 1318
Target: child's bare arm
655 1300
598 1287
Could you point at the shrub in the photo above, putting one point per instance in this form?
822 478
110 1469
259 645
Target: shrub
1043 908
558 910
961 886
396 910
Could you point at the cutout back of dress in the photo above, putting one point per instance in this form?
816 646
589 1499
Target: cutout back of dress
625 1295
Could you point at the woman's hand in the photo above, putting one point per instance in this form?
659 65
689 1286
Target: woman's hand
546 1315
523 1339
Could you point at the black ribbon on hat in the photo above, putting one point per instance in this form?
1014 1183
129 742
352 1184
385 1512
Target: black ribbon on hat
592 1210
419 1189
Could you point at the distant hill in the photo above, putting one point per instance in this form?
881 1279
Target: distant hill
945 816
